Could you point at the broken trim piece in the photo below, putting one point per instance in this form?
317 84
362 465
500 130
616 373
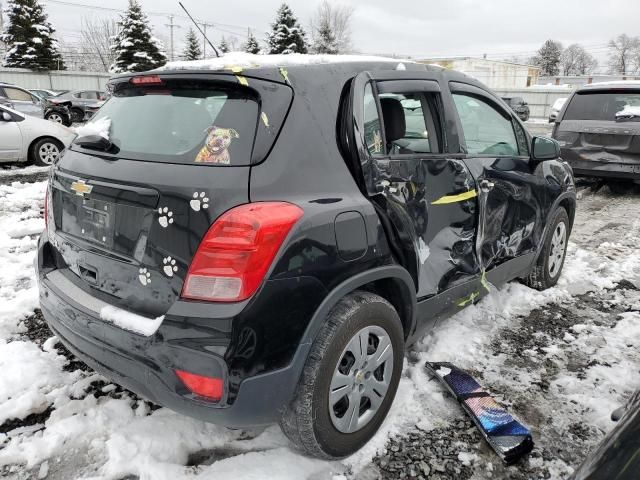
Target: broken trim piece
459 197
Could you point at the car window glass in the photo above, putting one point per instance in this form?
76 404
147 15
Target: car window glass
608 106
78 94
16 94
521 137
486 130
405 123
372 130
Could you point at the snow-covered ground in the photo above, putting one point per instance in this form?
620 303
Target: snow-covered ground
561 359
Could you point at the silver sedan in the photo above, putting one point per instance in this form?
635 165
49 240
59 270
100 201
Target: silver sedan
29 139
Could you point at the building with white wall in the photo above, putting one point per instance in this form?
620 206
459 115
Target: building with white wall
493 73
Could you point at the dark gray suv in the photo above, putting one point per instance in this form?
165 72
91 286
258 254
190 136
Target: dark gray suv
599 131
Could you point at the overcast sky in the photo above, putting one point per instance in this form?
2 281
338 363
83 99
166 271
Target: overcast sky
420 28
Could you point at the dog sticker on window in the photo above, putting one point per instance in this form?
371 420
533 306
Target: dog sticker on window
215 149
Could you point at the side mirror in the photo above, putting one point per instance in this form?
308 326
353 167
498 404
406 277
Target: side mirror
543 148
6 117
93 142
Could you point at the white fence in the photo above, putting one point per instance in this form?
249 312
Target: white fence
55 79
540 100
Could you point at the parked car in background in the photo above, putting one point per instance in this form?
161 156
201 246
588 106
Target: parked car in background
26 139
599 132
234 255
91 109
618 456
555 109
42 93
22 100
80 99
518 105
58 111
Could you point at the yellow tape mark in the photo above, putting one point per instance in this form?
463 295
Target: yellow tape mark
484 282
285 74
265 119
468 300
459 197
242 80
234 68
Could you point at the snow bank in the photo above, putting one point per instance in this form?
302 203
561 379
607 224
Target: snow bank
130 321
249 60
99 127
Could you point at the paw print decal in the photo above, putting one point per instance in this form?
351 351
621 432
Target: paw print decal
144 276
165 217
200 201
169 266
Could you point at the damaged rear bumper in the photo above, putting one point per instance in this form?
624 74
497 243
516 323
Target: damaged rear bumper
603 164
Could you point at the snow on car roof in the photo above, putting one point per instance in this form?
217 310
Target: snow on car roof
614 83
249 60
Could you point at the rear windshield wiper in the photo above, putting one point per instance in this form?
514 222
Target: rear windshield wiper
94 142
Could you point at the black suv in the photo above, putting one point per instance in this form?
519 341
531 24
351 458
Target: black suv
599 131
518 105
258 245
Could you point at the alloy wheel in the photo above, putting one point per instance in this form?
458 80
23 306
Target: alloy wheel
557 250
55 117
48 153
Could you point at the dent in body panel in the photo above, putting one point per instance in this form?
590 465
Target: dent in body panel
511 204
436 238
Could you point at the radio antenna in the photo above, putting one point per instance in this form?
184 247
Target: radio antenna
199 29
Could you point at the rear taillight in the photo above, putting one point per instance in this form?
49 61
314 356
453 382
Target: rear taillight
210 388
235 254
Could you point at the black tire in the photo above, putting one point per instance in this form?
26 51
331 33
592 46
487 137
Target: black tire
307 421
38 157
63 119
77 115
542 276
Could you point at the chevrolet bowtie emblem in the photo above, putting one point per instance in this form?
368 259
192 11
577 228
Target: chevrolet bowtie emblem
80 187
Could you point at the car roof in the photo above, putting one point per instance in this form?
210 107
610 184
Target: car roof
618 84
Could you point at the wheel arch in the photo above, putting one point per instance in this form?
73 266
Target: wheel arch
392 282
31 153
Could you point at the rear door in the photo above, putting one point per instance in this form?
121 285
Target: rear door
425 194
513 196
24 101
10 139
128 220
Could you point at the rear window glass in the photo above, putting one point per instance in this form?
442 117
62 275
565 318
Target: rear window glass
194 122
607 106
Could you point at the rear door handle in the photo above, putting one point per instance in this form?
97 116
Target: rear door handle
486 185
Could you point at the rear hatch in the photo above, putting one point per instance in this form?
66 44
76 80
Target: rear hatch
602 126
128 215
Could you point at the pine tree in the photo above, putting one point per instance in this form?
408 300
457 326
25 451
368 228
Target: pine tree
192 50
135 49
548 58
252 45
224 46
287 35
29 38
325 41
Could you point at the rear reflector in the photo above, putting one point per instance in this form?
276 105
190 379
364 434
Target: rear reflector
210 388
237 251
146 80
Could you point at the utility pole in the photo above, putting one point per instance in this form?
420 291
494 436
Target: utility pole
171 26
204 38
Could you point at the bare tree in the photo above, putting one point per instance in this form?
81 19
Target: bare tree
97 37
338 18
622 50
575 60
